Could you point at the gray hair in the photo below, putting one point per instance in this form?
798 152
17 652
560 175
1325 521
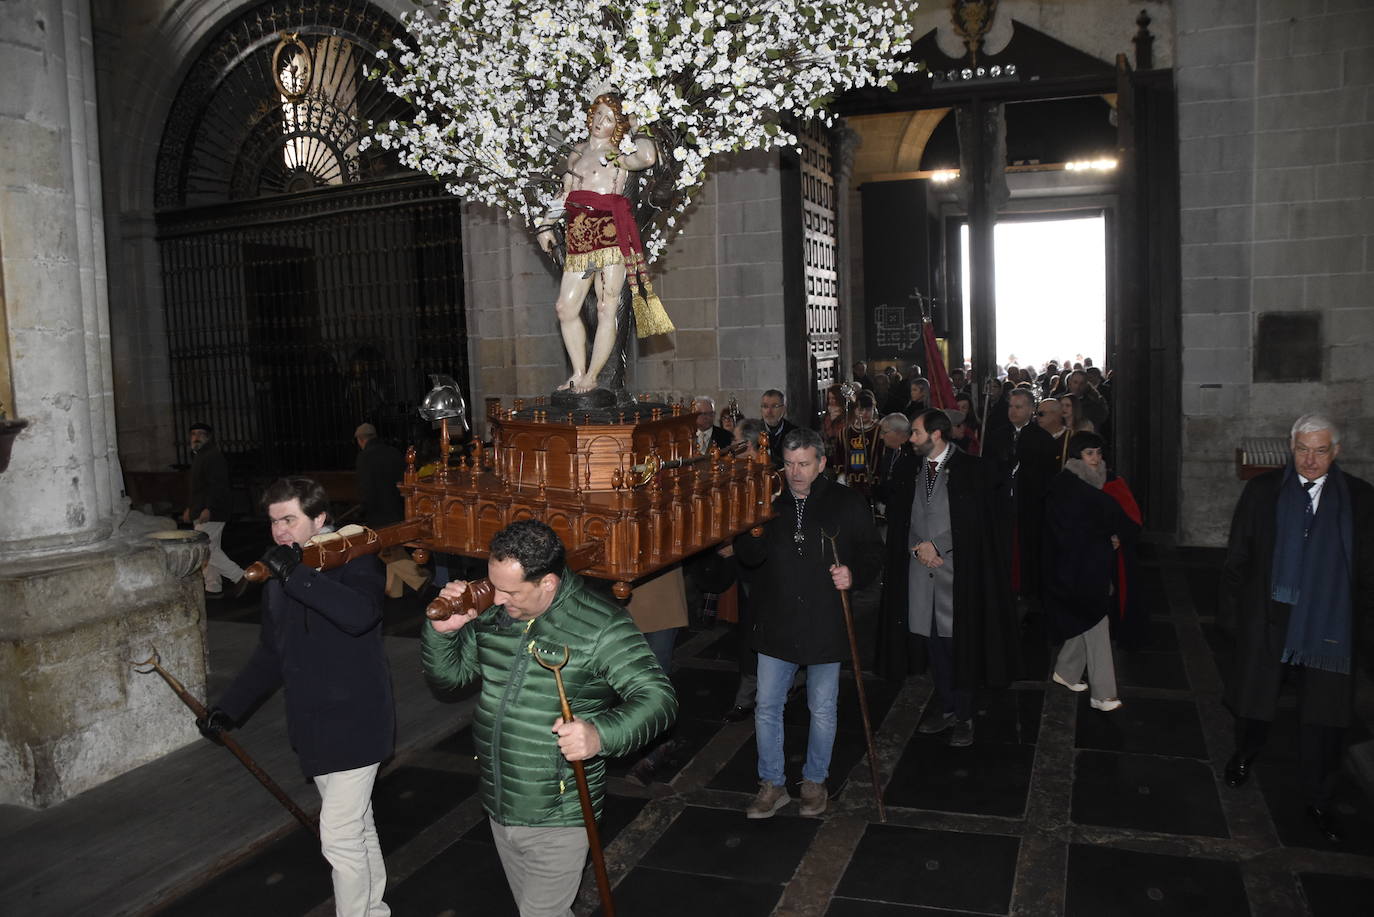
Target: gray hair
803 438
1022 393
749 429
1315 423
896 422
710 402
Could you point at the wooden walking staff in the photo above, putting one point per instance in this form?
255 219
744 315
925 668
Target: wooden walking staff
201 713
859 684
584 793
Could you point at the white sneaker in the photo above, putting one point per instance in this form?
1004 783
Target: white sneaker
1106 706
1077 686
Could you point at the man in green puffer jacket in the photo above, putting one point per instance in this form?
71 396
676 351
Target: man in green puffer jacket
619 696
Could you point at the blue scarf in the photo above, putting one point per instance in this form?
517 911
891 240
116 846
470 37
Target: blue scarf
1313 573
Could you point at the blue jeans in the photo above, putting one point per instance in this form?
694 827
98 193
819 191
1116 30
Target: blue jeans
822 692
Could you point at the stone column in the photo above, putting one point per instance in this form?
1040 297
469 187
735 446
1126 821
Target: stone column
63 485
82 591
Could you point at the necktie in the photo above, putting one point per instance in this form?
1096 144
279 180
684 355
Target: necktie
1308 513
931 469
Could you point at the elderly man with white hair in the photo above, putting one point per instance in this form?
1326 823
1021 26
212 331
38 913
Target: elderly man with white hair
1298 581
708 433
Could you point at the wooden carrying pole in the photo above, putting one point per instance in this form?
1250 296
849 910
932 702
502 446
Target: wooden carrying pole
201 713
584 794
478 595
329 552
859 685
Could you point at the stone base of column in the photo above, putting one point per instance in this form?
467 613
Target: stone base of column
76 713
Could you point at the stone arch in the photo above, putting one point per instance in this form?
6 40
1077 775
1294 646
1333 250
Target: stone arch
142 63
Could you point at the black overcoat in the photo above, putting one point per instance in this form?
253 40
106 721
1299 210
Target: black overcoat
986 635
379 468
1261 624
1035 457
1079 561
321 640
797 611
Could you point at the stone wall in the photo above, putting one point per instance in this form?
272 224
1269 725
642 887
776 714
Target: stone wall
63 486
1277 168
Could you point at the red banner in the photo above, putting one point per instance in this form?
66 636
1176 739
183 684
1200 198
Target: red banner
941 389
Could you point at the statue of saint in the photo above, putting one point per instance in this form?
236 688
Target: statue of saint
603 244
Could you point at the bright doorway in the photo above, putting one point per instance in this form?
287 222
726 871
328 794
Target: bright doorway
1051 288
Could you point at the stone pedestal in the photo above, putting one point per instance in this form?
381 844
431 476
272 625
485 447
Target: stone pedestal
76 712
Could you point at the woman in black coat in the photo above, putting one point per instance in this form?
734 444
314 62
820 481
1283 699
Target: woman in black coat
1084 528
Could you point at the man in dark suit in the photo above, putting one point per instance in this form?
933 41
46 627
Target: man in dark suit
773 407
798 619
322 641
944 597
1297 583
708 433
378 469
1024 461
894 456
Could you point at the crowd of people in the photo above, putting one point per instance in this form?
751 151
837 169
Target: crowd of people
971 522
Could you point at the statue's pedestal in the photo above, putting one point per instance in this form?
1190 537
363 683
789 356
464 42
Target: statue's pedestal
76 713
588 475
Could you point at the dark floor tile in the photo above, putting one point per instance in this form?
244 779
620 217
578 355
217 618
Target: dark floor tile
666 893
409 799
704 694
942 869
721 842
853 907
289 877
1160 635
1124 883
1145 669
1336 896
1008 716
458 743
465 879
689 736
1281 782
286 877
616 813
1170 795
990 778
1145 726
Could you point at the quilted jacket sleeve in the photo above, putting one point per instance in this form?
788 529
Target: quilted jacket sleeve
449 660
648 703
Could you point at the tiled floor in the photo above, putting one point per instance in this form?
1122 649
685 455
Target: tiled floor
1057 809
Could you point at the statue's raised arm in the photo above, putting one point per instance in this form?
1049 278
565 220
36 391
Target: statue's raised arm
602 241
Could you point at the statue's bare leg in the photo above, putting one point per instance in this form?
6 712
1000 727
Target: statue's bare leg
610 280
571 292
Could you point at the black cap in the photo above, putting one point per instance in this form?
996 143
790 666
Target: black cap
201 425
1085 440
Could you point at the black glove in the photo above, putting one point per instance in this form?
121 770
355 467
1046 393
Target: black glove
213 723
282 559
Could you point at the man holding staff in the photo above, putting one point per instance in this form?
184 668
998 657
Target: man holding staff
619 696
322 641
798 612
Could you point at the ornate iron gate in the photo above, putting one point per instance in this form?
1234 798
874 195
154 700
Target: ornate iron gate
818 235
292 321
309 285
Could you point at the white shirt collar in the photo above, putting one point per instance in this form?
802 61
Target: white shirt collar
939 460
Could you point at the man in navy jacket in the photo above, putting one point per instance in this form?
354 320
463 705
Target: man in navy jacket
322 640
